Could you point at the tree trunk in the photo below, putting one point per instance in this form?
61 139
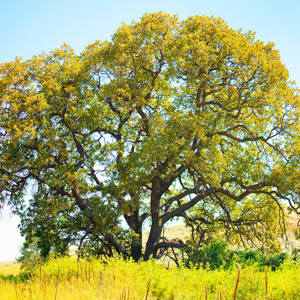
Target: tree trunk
135 222
156 227
154 237
136 250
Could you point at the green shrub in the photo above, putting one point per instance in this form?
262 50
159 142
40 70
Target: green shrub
217 253
213 255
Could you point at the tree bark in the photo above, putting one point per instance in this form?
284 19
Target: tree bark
135 222
157 225
136 250
154 237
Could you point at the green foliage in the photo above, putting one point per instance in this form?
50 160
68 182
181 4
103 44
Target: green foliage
30 257
170 118
256 257
212 255
36 251
217 253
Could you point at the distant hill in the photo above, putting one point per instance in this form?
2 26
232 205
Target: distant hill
184 233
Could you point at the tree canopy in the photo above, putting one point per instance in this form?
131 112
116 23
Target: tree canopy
168 119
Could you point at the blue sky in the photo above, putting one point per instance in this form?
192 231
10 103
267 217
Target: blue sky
29 27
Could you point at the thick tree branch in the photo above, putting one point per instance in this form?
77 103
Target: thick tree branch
82 204
172 244
168 204
176 212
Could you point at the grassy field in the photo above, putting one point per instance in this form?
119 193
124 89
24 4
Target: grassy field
9 268
124 280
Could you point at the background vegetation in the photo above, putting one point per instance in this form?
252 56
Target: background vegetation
65 278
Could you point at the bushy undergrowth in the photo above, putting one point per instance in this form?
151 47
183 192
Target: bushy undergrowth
65 278
217 254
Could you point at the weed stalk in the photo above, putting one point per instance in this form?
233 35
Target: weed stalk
148 287
237 282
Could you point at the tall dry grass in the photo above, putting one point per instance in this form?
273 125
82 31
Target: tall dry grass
125 280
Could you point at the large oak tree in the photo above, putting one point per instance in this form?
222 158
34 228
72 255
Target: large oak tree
169 119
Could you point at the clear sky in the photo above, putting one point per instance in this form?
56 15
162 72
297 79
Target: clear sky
29 27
